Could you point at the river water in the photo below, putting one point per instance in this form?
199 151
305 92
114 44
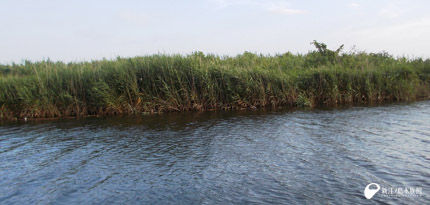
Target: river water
277 156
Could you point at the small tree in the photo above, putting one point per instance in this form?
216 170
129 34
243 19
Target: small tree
323 55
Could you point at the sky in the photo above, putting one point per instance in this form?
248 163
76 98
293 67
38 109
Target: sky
83 30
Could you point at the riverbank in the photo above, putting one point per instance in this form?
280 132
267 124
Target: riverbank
164 83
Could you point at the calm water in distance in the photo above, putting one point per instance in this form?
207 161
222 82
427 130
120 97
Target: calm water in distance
228 157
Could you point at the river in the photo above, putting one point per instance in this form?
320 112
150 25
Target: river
313 156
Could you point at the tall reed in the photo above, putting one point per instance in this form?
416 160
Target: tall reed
160 83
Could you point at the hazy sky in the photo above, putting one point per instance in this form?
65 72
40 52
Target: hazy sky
92 29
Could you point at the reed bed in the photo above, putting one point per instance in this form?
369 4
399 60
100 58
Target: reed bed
198 81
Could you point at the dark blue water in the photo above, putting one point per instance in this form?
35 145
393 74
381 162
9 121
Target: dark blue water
288 157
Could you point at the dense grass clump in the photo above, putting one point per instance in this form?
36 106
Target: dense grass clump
160 83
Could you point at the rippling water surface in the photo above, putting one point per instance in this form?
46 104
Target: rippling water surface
291 157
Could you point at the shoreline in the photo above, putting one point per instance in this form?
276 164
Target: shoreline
281 108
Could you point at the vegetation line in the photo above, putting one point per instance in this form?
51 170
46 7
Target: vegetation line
161 83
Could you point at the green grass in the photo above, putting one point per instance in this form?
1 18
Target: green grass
161 83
